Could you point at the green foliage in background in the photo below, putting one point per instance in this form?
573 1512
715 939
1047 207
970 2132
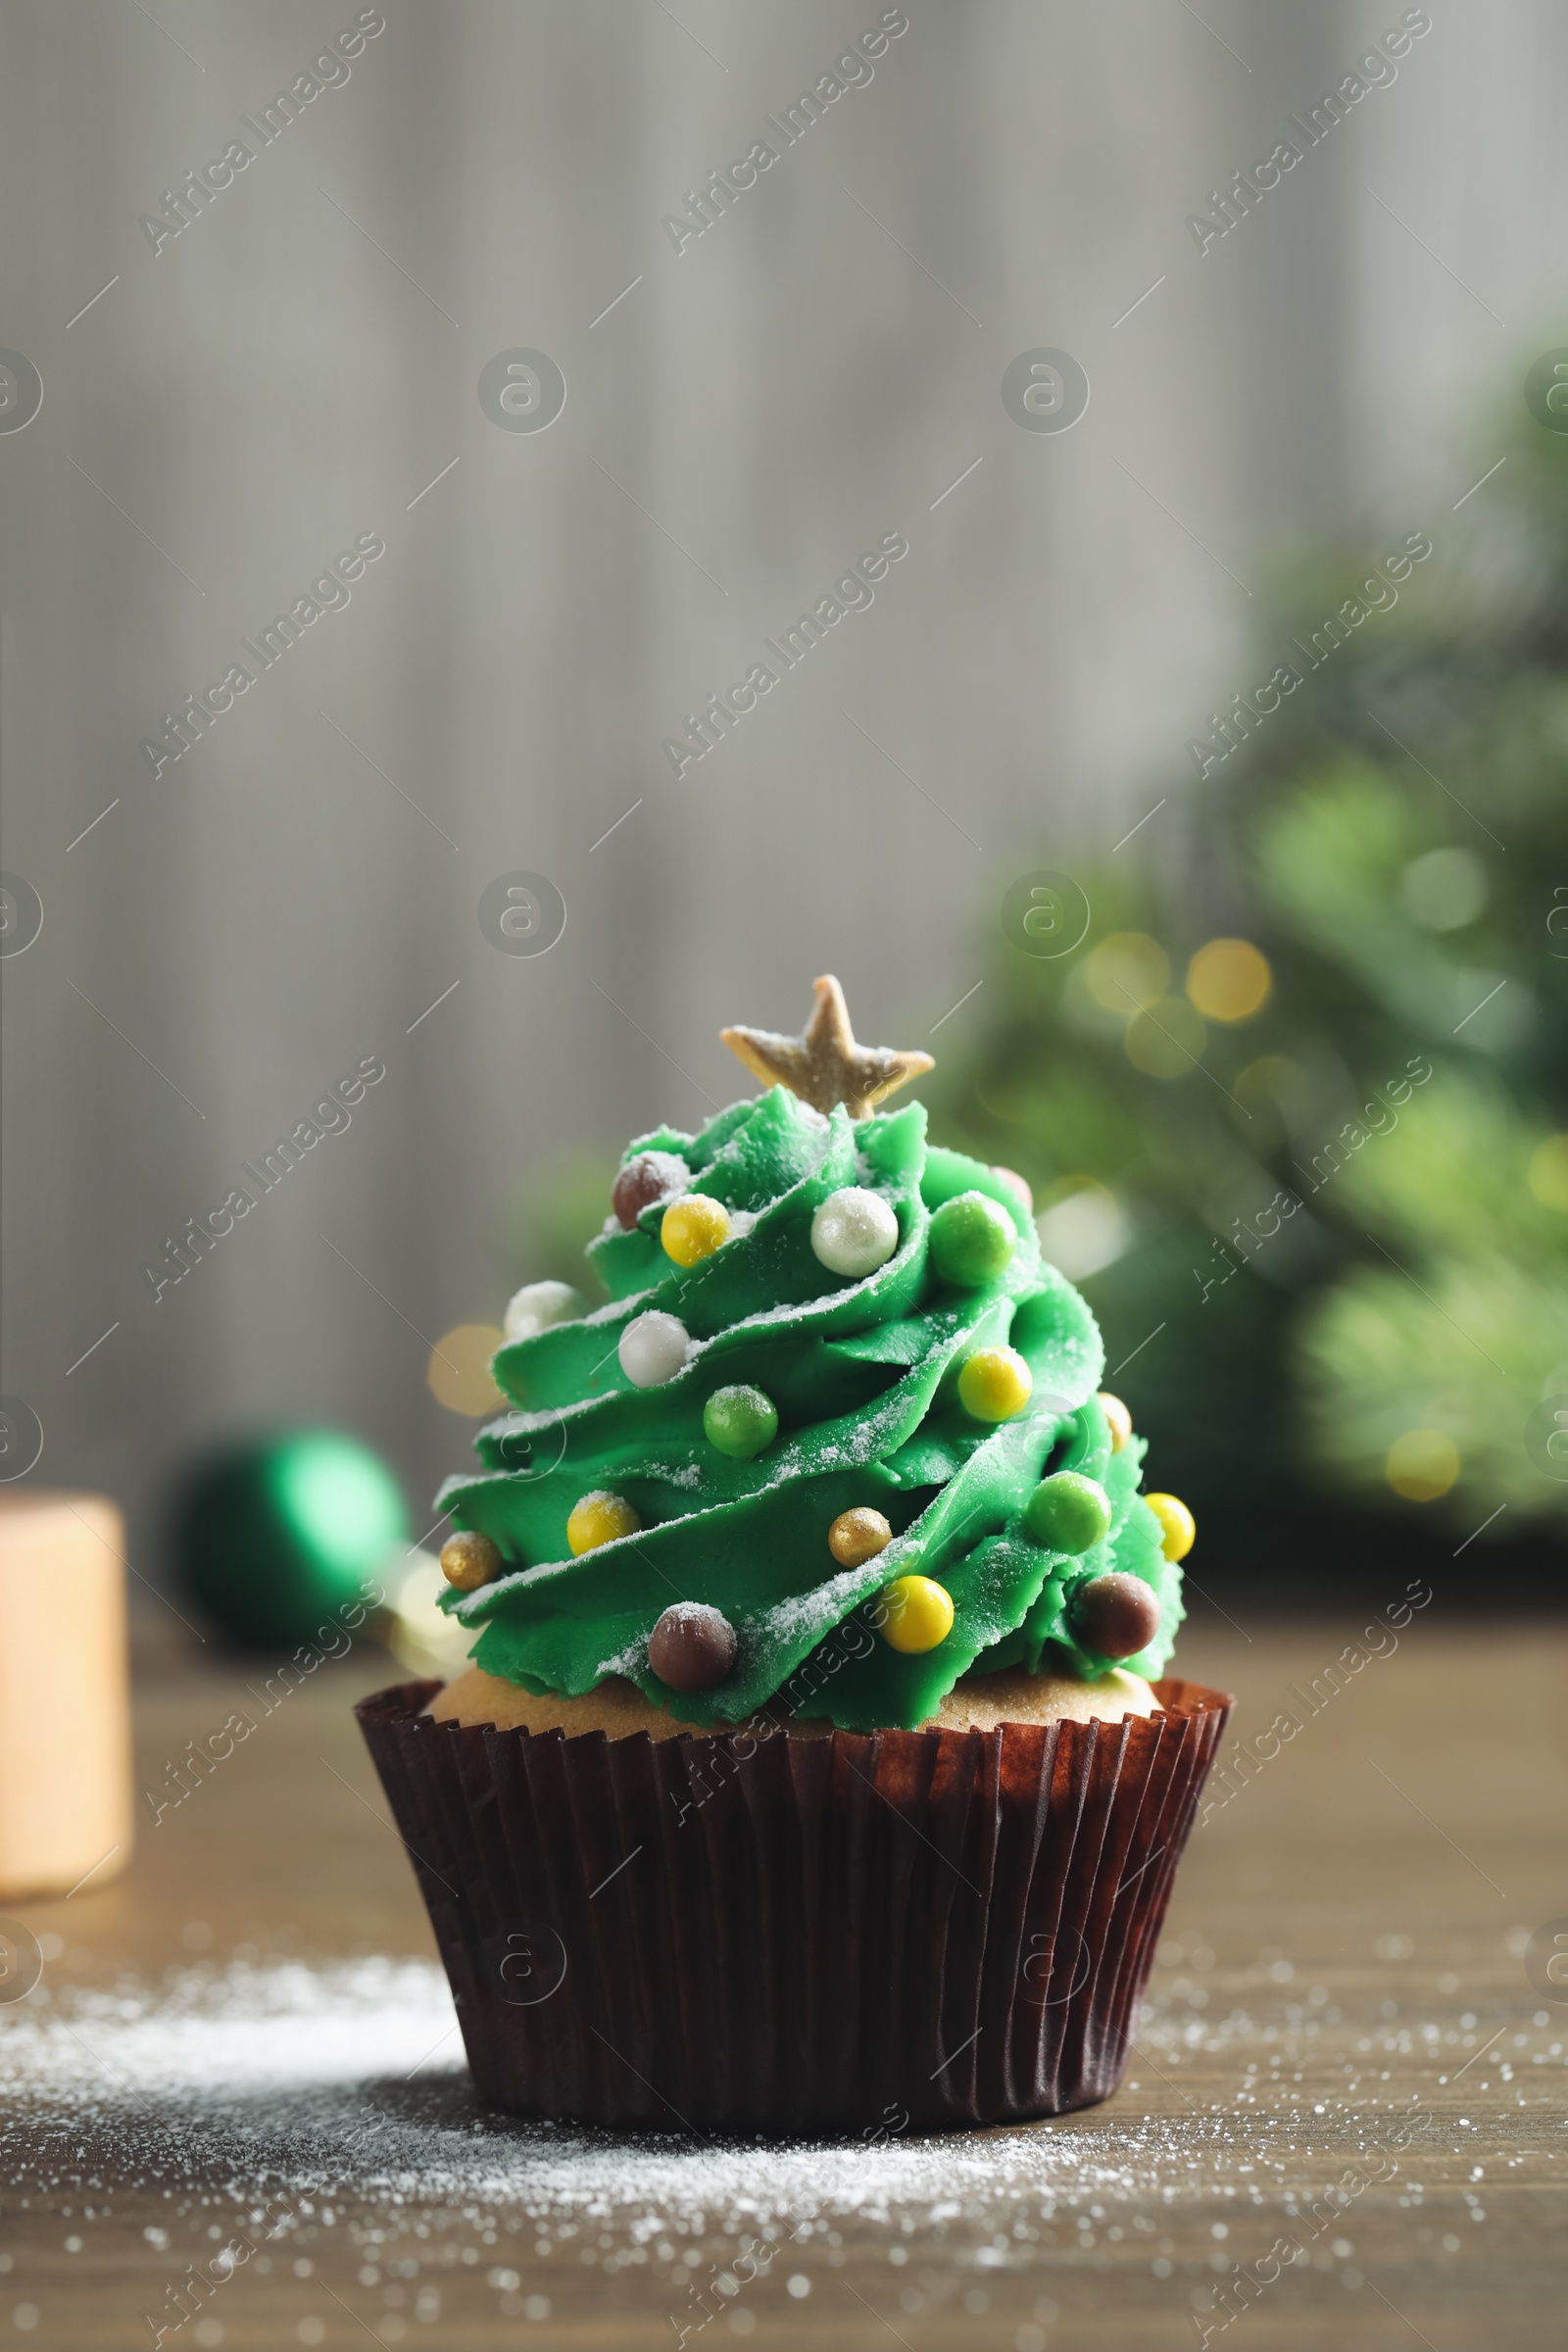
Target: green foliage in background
1394 838
553 1222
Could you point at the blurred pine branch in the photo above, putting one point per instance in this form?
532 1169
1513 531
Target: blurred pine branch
1394 839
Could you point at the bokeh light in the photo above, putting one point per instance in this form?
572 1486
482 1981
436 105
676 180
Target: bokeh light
1229 980
1082 1226
1168 1039
458 1374
1445 890
1422 1464
418 1633
1127 972
1548 1172
1274 1097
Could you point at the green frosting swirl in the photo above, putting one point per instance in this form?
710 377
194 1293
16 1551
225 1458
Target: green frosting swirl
864 1377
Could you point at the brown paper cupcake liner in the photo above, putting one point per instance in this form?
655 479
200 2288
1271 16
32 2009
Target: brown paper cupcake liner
868 1933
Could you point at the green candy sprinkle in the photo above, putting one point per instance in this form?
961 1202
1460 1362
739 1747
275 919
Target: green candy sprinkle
1068 1512
740 1422
972 1239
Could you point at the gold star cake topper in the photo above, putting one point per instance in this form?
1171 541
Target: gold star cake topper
824 1066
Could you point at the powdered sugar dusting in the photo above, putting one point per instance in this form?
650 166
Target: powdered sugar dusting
351 2077
316 2128
810 1614
282 2027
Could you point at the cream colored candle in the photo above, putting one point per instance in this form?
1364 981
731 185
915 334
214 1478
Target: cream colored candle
64 1700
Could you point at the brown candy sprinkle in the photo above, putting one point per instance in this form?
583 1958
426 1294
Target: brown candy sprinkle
469 1560
1115 1615
858 1536
692 1648
652 1176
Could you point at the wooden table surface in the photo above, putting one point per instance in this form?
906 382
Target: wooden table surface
1345 2123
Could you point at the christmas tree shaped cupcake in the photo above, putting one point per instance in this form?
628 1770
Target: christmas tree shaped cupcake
833 1462
836 1388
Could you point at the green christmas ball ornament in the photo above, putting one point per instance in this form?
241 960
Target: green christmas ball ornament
740 1421
972 1239
1068 1512
278 1537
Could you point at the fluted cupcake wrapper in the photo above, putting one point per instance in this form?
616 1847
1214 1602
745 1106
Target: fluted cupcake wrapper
868 1933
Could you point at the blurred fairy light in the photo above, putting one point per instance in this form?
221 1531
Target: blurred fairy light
1445 890
1548 1172
1229 980
1166 1039
1127 972
416 1633
1422 1464
458 1374
1083 1227
1129 975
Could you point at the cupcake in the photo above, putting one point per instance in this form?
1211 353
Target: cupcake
812 1769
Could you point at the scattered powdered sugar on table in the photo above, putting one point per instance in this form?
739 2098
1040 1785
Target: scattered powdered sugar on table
350 2080
291 2096
272 2028
287 2136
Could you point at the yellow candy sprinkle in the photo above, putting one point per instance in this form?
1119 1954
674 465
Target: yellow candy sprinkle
694 1228
914 1613
599 1519
1177 1526
1118 1420
995 1383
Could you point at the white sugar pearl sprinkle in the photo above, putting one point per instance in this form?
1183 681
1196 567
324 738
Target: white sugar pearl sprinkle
854 1232
653 1348
539 1305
